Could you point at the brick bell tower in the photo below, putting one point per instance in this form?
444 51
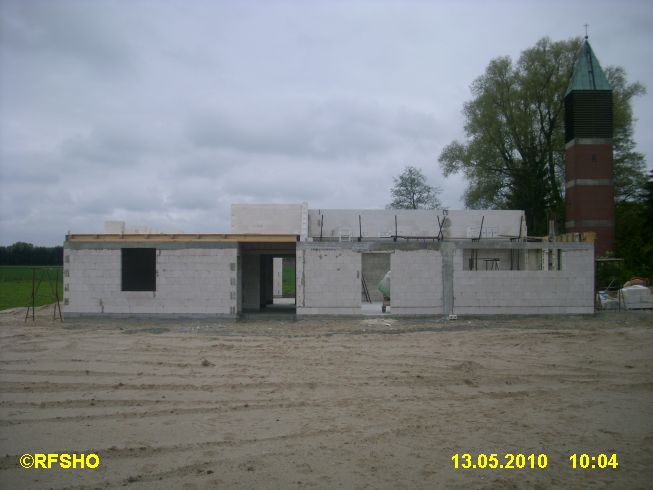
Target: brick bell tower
589 195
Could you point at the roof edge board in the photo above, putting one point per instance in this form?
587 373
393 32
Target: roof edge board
181 237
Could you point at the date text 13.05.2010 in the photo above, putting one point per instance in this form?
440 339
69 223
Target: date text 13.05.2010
531 461
494 460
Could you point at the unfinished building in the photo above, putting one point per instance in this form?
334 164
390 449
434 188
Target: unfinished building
441 263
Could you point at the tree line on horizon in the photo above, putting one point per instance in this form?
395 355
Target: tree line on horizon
22 253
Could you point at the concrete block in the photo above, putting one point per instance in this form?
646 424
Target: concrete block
328 311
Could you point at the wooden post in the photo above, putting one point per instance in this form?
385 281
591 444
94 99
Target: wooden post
33 294
56 296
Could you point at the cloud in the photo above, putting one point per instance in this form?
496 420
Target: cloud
329 129
164 113
192 194
110 147
65 34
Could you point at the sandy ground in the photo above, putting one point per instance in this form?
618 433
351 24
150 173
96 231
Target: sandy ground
337 403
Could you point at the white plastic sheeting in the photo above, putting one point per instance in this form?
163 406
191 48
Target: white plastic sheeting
637 297
384 284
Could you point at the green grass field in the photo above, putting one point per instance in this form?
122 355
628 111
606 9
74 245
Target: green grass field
288 281
16 285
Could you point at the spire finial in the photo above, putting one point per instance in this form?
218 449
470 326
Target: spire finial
586 36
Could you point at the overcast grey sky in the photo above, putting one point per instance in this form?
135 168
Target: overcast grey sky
163 113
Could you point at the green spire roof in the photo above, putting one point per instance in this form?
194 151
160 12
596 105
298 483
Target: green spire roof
588 74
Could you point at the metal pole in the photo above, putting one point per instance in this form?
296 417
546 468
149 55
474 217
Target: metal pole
521 218
321 225
396 228
360 228
33 293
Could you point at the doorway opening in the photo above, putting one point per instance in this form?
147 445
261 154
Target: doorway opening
284 289
267 278
374 267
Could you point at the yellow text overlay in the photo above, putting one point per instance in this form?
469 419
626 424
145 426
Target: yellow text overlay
64 461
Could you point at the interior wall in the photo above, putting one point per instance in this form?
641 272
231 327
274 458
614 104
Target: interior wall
251 282
267 280
534 260
328 280
239 282
416 284
277 277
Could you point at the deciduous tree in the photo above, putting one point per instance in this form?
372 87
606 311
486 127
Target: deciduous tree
513 157
411 191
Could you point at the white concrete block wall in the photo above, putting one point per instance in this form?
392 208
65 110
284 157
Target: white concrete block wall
277 277
328 281
570 290
283 219
90 276
197 281
114 227
416 285
206 282
421 222
189 281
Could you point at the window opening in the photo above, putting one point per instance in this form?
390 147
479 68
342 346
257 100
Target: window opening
138 269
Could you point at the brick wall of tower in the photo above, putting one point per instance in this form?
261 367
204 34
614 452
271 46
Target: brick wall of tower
589 161
590 192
